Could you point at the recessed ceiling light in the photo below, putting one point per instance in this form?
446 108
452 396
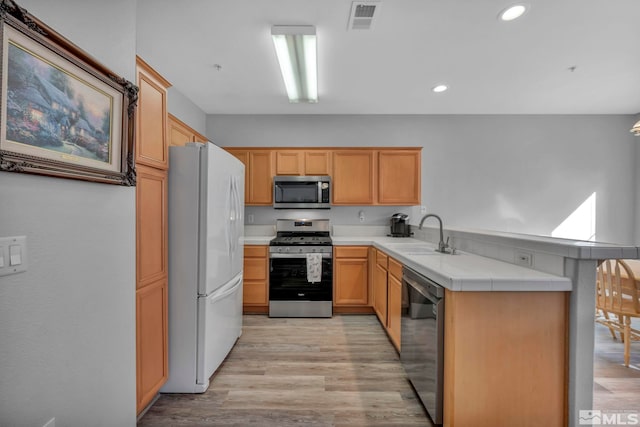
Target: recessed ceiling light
440 88
512 12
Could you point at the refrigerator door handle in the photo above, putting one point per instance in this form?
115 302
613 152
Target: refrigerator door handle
229 213
234 217
238 219
229 291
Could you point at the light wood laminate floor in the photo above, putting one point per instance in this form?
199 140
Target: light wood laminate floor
616 387
341 371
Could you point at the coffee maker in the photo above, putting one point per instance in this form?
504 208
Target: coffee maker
399 225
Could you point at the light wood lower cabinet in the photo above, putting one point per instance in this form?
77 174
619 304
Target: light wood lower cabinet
350 279
152 364
505 360
394 309
380 287
387 295
255 294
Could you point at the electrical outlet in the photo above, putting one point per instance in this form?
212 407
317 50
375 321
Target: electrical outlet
524 258
250 218
423 210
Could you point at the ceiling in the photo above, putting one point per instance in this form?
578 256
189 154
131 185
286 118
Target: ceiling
492 67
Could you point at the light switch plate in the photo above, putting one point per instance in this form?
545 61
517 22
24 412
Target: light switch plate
19 245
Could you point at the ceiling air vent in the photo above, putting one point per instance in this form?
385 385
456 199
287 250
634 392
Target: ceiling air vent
362 14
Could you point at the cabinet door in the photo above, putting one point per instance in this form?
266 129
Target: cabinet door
317 163
380 293
399 177
243 156
394 310
178 134
353 177
151 341
256 276
151 225
351 281
151 118
260 177
289 162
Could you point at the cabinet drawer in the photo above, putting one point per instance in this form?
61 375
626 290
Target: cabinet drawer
351 251
255 293
381 259
395 269
255 269
255 251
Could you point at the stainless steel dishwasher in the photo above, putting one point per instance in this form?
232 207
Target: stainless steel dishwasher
422 339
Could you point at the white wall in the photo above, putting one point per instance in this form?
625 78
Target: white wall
637 180
184 109
67 325
502 172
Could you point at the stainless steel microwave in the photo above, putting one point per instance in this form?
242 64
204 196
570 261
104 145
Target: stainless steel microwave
302 192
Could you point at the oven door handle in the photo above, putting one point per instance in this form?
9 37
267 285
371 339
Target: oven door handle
278 255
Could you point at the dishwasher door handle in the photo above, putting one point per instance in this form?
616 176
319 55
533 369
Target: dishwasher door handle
422 290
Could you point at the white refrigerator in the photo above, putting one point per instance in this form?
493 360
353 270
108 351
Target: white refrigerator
206 225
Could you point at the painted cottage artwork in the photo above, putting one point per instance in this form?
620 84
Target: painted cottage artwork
54 110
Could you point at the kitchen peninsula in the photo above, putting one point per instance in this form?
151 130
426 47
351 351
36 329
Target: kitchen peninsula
519 340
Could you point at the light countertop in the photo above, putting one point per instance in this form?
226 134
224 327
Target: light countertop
460 272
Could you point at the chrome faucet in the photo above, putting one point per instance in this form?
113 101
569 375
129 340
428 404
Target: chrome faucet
442 246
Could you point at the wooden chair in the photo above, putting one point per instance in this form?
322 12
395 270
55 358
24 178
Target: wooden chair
617 298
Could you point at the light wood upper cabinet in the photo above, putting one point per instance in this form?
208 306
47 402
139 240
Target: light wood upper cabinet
360 176
180 133
260 177
243 156
303 162
352 181
399 177
289 162
151 117
317 162
351 286
258 174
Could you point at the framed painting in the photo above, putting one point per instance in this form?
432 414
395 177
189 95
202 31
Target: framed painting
62 113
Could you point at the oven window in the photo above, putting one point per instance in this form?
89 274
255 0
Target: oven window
296 192
288 281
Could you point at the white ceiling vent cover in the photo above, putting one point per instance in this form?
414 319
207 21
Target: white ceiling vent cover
362 14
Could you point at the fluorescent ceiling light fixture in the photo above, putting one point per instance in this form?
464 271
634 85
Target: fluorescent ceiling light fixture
512 12
296 50
440 88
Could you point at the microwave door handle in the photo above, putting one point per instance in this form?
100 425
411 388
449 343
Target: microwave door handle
319 192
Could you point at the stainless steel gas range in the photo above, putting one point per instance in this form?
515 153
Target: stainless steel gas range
301 269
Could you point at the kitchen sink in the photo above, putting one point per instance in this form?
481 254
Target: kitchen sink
425 251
